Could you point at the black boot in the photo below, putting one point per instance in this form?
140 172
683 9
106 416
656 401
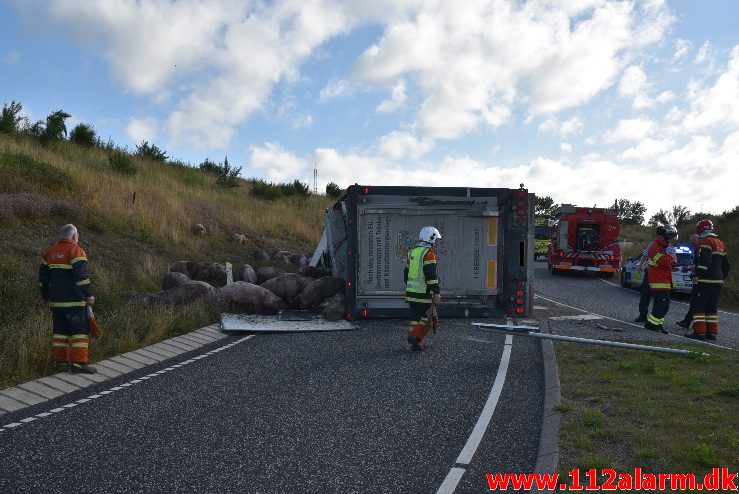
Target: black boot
641 318
655 327
696 336
710 336
415 343
76 368
685 323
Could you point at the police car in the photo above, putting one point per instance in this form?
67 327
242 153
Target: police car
682 271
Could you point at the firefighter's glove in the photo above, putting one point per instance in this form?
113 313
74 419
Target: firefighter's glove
670 250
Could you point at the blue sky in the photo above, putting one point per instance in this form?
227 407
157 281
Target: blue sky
583 100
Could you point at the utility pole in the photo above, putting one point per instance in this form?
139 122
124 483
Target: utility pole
315 177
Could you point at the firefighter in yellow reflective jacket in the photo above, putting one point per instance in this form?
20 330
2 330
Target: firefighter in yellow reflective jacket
422 285
661 257
65 288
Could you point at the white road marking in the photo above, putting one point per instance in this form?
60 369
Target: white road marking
671 301
540 307
473 441
451 481
632 324
111 390
465 456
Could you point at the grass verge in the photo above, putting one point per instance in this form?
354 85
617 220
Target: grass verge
624 409
24 345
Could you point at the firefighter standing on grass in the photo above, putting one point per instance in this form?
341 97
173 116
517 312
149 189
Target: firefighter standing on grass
661 256
711 268
422 285
65 288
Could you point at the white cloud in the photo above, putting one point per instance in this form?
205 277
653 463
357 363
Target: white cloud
633 81
398 145
716 104
335 89
565 147
473 60
634 84
570 126
682 47
646 149
548 125
704 53
278 164
665 96
142 129
223 57
630 129
396 101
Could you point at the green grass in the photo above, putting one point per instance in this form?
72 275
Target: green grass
663 413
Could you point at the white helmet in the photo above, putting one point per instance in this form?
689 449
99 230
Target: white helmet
429 234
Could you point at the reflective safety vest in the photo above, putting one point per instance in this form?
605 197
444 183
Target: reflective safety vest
660 266
417 286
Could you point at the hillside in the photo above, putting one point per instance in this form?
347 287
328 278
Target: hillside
133 228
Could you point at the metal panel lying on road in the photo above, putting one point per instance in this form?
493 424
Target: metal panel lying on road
271 324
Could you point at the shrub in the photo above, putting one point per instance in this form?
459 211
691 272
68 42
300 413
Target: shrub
83 135
122 163
152 152
55 129
209 167
227 176
297 188
270 191
265 190
9 119
333 190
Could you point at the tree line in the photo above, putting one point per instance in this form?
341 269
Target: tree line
54 129
628 212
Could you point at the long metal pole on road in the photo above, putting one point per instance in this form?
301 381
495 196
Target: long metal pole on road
524 331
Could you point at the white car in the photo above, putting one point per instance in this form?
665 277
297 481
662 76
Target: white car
682 271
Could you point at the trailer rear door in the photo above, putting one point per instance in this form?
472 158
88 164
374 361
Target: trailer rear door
468 250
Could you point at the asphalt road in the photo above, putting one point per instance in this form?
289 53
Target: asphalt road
608 304
321 412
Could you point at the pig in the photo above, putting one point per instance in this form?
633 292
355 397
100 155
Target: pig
248 298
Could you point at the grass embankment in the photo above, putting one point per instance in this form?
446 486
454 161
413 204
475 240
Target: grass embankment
132 227
727 228
624 409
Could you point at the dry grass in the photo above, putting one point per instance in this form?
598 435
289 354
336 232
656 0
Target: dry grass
25 343
133 228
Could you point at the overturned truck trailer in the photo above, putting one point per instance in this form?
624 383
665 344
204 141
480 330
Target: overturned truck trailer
486 253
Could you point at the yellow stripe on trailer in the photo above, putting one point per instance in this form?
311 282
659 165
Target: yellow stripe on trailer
491 281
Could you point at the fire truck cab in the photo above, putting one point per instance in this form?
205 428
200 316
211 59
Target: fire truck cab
585 239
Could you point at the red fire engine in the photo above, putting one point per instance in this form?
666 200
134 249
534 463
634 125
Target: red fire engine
585 239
